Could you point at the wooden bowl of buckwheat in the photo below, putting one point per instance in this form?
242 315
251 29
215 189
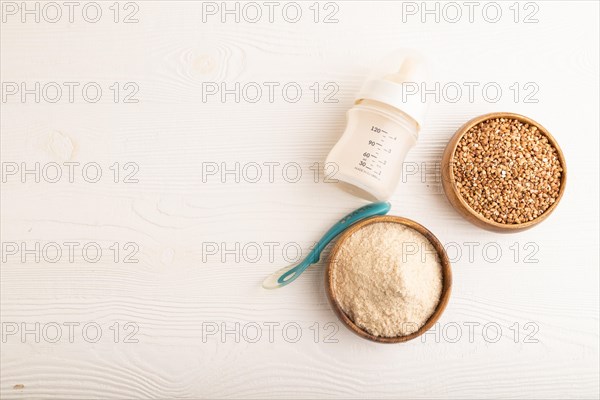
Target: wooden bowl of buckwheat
503 172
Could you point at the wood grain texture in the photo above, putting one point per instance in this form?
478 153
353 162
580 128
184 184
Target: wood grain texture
540 290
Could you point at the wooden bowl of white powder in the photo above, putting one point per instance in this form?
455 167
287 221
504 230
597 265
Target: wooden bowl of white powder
388 279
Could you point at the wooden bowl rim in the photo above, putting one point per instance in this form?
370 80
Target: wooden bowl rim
453 144
446 278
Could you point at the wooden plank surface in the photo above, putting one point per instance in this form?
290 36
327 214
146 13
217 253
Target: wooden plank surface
179 308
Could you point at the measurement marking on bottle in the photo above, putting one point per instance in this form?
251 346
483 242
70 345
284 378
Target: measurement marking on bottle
372 162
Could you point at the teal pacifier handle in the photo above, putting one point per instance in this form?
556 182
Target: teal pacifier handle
380 208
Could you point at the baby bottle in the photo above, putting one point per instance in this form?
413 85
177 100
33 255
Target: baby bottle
382 126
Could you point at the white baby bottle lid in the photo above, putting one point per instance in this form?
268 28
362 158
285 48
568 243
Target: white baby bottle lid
397 81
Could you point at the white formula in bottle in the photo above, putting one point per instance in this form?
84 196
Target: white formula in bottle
382 127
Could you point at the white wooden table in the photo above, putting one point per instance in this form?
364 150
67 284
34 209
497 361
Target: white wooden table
172 306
